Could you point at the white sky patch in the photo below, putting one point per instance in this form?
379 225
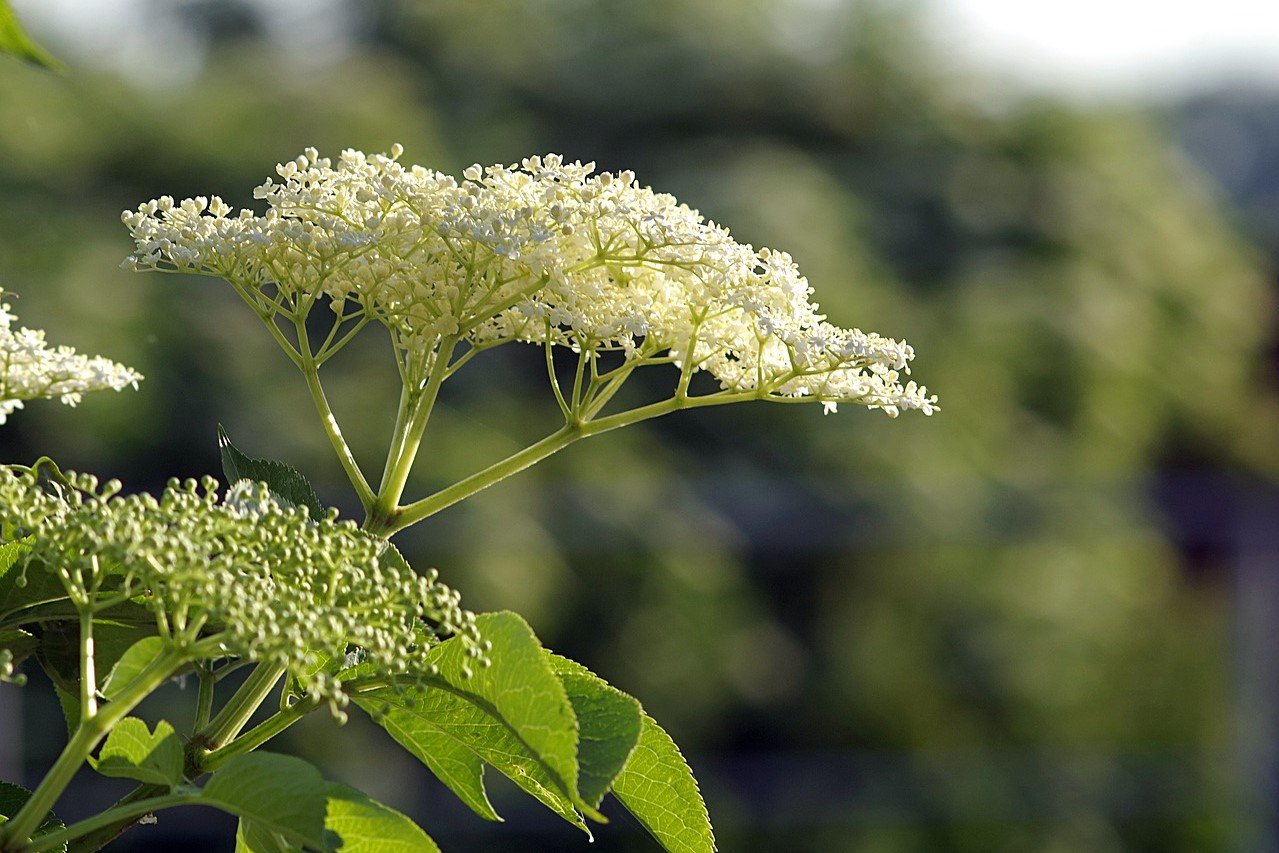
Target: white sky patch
1117 47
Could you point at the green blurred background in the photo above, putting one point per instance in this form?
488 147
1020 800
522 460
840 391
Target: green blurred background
1045 619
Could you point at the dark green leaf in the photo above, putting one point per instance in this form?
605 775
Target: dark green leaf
19 643
609 723
658 787
276 793
284 481
24 585
13 797
134 752
70 703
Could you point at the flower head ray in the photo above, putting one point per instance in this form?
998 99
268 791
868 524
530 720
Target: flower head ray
30 369
543 251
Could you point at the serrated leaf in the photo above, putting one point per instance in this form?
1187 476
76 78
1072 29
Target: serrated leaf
70 704
609 724
445 735
358 824
658 787
284 481
130 665
276 793
13 798
132 751
514 715
367 826
521 687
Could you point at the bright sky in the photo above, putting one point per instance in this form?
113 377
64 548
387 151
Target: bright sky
1103 48
1108 47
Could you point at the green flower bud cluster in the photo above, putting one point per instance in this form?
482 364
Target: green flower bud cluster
243 577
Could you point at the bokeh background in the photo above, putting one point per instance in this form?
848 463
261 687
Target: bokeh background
1046 619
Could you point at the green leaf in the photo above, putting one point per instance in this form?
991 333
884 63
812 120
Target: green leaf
520 686
130 665
19 643
514 715
454 737
24 585
134 752
609 721
284 481
367 826
59 655
70 703
252 838
12 799
360 824
276 793
658 787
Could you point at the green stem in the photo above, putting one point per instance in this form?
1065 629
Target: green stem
90 731
258 735
334 432
386 506
88 673
204 699
239 708
513 464
553 443
118 814
99 837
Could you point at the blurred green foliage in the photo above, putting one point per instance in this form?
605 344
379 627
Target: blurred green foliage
972 632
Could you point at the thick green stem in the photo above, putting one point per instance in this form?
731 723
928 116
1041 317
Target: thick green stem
100 836
239 708
258 735
88 672
111 817
204 699
404 450
14 834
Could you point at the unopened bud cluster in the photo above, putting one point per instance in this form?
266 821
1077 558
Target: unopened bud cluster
260 580
539 251
30 369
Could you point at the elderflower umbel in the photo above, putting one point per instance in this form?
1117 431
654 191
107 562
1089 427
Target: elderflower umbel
542 251
260 581
30 369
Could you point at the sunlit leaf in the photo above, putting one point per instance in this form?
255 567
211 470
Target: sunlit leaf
658 787
514 715
132 751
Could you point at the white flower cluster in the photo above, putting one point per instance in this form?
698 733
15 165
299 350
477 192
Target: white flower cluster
266 582
543 250
30 369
